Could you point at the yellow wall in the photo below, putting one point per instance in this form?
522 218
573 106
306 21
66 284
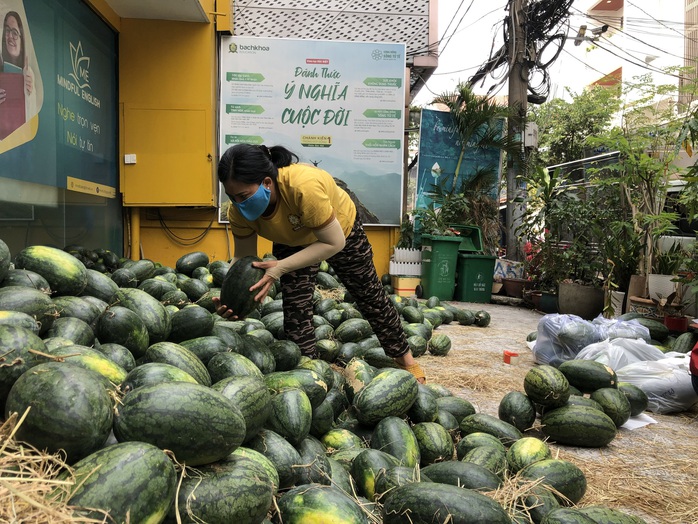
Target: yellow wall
170 193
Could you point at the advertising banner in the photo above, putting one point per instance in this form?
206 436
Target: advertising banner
58 96
337 105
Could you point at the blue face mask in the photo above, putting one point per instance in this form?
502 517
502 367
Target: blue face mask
252 207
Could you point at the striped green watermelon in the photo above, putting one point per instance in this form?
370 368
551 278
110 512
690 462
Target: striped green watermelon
235 289
562 475
366 465
314 467
394 436
636 397
31 301
526 451
310 503
435 502
435 443
579 426
123 326
199 425
474 440
291 415
588 375
149 309
235 489
518 410
603 514
390 393
151 373
181 357
19 319
492 458
92 360
457 406
482 422
280 452
132 481
5 259
567 516
547 386
394 476
263 461
70 409
73 329
65 274
614 403
16 355
224 365
251 396
464 474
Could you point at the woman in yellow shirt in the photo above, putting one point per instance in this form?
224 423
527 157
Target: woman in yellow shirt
309 218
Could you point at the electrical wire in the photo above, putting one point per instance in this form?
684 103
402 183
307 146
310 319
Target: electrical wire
642 65
181 240
658 21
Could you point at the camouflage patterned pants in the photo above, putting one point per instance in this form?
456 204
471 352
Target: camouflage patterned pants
354 267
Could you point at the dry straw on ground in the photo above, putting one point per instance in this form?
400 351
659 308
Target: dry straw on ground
649 472
27 478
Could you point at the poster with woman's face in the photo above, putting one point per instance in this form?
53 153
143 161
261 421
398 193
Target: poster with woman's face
21 88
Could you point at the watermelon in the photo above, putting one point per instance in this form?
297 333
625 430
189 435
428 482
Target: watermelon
316 503
390 393
588 375
65 274
436 502
439 345
562 475
151 312
567 516
31 301
235 289
154 373
482 422
263 461
394 436
474 440
188 262
73 329
100 286
5 259
614 403
181 357
464 474
492 458
78 307
341 438
191 321
291 415
92 360
457 406
205 347
118 354
366 465
306 379
518 410
16 356
547 386
199 425
606 515
394 476
424 408
435 443
526 451
280 452
636 397
26 278
313 467
235 489
109 478
251 396
579 426
70 409
19 319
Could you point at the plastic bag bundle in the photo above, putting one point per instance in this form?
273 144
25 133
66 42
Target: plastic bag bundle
666 382
621 352
613 328
562 337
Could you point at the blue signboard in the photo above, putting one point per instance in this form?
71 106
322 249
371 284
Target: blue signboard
59 67
439 152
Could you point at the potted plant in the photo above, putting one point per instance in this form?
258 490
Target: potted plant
671 308
663 280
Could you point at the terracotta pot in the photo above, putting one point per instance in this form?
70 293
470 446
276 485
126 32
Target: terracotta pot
514 287
583 301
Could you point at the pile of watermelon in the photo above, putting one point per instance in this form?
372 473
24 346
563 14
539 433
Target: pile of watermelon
167 412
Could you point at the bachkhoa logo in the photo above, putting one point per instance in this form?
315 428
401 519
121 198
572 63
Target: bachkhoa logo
81 66
246 48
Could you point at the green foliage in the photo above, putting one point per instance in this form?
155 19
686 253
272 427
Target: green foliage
564 127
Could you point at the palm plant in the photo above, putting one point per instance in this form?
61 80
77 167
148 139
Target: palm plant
478 121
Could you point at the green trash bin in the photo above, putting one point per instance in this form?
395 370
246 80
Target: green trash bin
471 238
475 274
439 260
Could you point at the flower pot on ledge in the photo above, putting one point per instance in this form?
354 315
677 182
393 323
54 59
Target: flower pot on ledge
676 324
584 301
514 287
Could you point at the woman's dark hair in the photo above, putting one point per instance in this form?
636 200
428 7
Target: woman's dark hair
251 164
5 53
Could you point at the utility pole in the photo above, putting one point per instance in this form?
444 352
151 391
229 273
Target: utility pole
518 102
